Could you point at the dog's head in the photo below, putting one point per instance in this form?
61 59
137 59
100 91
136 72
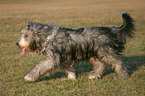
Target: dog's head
26 40
31 38
35 36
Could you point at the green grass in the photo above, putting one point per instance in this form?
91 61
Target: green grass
14 15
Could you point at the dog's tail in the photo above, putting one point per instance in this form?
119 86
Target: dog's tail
123 32
127 29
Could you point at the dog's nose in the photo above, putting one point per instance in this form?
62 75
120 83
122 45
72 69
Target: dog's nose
17 43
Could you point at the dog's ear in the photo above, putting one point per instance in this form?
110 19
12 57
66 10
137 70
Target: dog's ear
29 24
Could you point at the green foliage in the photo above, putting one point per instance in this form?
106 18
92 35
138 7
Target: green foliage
14 15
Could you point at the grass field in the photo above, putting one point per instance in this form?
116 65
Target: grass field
14 15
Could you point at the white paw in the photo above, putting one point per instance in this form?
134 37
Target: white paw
71 76
27 78
92 77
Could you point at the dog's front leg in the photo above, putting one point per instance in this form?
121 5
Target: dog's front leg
40 69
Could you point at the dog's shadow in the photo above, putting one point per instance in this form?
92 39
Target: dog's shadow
132 63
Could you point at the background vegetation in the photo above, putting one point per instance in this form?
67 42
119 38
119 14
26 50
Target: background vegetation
14 15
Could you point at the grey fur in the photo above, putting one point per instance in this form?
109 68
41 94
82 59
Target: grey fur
64 47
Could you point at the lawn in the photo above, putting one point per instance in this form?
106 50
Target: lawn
14 15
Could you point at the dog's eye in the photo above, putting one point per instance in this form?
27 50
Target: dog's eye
26 36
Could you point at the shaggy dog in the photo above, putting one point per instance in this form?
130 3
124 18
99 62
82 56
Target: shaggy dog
64 47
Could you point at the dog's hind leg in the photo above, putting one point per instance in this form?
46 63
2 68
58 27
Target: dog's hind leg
120 70
117 64
98 68
40 69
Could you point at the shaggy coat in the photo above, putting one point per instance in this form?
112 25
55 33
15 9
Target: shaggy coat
64 47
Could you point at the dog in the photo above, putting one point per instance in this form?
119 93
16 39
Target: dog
64 47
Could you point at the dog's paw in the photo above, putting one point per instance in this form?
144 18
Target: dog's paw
126 76
28 79
94 76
